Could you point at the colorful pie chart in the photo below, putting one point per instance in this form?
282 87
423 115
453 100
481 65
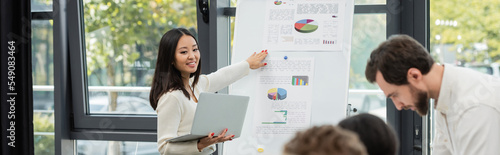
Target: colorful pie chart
276 94
306 26
277 2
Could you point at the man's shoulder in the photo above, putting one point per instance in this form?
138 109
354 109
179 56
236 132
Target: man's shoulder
462 71
466 77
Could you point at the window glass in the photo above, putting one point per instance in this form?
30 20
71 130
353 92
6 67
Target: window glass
88 147
231 31
121 42
43 86
41 5
233 3
369 30
232 22
461 35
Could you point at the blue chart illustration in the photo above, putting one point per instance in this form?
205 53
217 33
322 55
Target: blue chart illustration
306 26
279 122
276 94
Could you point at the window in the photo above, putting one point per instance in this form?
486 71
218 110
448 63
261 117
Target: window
369 30
113 48
119 42
121 45
232 22
464 38
41 5
43 77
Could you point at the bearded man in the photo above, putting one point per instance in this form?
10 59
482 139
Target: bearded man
467 102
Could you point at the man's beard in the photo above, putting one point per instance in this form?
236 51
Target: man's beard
422 101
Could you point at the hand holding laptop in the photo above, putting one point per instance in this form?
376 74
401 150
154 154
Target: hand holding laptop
220 114
211 139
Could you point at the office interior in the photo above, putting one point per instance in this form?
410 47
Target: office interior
93 60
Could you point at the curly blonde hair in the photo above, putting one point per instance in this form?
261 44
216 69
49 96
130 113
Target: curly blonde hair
325 140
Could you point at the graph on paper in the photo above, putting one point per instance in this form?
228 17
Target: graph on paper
276 94
282 118
300 80
284 94
306 26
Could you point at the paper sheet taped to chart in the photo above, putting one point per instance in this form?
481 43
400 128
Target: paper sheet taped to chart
300 25
284 96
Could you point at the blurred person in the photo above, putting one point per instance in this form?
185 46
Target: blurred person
177 84
467 102
376 135
325 140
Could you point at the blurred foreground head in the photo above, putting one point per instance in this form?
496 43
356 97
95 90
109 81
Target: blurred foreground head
376 135
325 140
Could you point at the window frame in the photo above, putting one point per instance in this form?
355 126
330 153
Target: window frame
71 91
138 127
411 18
41 16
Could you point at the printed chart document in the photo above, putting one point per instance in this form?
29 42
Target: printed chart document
304 25
284 96
305 82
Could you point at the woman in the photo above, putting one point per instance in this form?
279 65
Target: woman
177 84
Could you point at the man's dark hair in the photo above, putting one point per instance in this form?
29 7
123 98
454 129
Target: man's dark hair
395 56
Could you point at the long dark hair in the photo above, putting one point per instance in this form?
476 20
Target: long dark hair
378 137
166 77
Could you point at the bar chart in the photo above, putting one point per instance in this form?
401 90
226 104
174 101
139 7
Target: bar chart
300 80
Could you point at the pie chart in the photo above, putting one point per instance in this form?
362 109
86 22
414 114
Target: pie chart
277 2
276 94
306 26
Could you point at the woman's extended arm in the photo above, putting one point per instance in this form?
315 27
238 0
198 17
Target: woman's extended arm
229 74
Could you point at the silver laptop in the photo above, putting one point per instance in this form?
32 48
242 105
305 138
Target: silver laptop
214 113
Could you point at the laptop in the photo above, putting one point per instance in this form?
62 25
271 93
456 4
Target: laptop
214 113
